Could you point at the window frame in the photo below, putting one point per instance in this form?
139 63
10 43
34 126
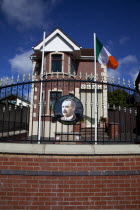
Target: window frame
62 62
70 61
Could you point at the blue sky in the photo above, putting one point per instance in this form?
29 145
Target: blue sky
116 23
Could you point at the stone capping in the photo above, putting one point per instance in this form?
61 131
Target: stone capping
58 149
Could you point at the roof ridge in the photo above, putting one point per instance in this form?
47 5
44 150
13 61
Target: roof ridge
61 32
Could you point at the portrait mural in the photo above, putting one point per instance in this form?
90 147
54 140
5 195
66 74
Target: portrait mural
68 110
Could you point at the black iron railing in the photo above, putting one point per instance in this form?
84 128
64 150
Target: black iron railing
118 111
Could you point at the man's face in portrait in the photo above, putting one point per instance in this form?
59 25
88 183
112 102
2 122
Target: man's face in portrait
67 108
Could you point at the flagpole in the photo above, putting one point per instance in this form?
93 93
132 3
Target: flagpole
40 101
95 95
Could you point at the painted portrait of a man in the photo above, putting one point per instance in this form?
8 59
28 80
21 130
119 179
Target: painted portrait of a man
68 109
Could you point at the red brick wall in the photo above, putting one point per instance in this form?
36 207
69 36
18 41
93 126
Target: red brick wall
86 66
60 182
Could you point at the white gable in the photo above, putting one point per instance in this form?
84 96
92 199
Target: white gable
58 44
57 41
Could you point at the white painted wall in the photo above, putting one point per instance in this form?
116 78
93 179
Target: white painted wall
49 129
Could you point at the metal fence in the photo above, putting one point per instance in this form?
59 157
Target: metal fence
118 110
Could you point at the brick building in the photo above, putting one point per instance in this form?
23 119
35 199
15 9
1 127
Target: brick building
65 60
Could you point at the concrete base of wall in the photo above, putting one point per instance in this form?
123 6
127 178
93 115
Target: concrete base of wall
56 149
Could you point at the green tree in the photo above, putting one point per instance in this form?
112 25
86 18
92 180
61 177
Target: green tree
117 97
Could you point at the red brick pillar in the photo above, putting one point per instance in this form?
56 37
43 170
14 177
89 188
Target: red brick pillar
113 130
76 127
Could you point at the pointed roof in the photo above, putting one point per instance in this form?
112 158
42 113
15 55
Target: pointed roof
57 41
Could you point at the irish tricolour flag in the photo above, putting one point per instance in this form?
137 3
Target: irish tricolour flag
104 57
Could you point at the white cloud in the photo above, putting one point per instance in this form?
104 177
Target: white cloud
21 63
128 59
127 68
133 72
127 74
28 13
124 39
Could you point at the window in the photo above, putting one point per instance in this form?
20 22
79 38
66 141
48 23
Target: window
72 65
53 98
56 63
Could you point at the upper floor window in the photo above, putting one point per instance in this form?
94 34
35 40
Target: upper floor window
56 63
72 65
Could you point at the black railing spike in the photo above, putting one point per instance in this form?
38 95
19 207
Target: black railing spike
95 77
12 80
52 75
21 105
1 82
128 83
134 85
74 75
108 79
123 81
29 76
35 76
41 76
4 109
119 108
113 80
114 107
9 108
80 75
118 80
6 81
23 77
18 78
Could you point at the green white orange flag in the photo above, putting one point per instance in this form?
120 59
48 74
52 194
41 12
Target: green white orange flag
104 57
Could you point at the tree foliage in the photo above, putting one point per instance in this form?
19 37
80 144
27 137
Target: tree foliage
117 97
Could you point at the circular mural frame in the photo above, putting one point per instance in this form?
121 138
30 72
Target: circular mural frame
68 110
